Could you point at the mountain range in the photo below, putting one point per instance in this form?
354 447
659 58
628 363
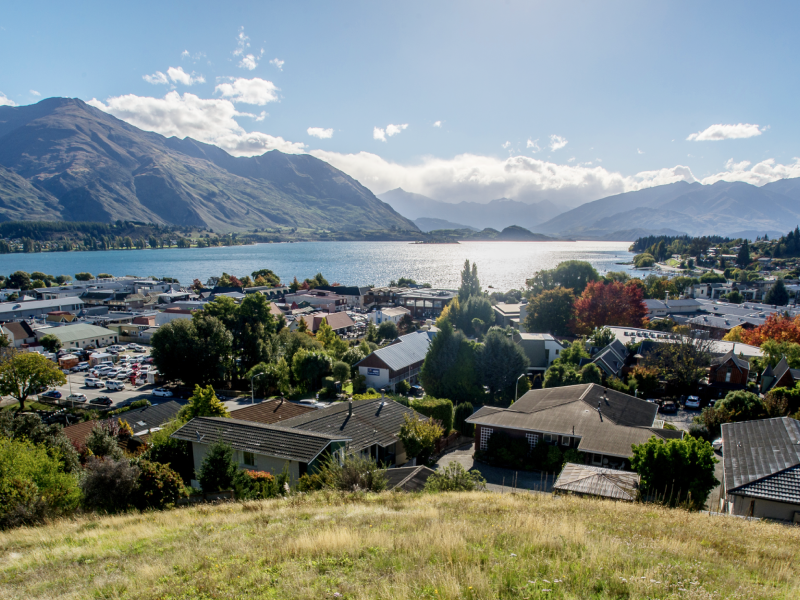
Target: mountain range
61 159
724 208
496 214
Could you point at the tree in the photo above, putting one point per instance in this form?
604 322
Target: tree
50 342
19 280
372 332
570 274
419 437
387 330
218 469
681 471
157 486
641 261
550 312
683 362
461 413
602 337
591 373
712 277
203 403
470 284
573 354
84 276
168 451
195 351
108 484
774 351
309 367
438 409
500 362
102 440
271 378
449 369
22 375
560 375
736 298
474 307
50 437
608 304
341 371
778 327
455 478
269 277
743 258
777 294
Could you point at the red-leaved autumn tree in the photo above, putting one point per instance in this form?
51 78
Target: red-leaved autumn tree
777 327
612 303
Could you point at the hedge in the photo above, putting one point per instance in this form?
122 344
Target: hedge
440 409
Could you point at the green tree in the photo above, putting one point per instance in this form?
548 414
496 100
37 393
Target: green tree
550 312
108 484
333 344
195 351
22 375
51 437
474 307
470 284
419 437
683 363
218 469
559 375
438 409
84 276
774 351
449 369
461 413
680 471
743 258
777 294
387 330
341 371
269 278
50 343
571 274
273 378
157 486
203 403
591 373
102 440
573 354
602 337
372 333
309 367
500 362
168 451
19 280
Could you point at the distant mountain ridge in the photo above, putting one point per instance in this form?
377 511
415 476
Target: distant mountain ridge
496 214
723 208
425 224
61 159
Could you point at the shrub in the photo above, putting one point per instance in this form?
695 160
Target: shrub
203 403
356 473
454 478
176 454
387 330
218 469
370 394
158 486
258 485
402 387
341 371
33 485
572 456
462 412
102 440
108 485
439 409
30 427
329 383
419 437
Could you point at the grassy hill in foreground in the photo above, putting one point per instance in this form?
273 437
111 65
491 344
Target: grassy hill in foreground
391 546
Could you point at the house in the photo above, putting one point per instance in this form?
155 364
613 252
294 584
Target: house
262 447
601 423
780 376
611 359
407 479
540 348
320 299
271 411
393 314
18 333
628 335
142 421
171 314
761 469
353 294
340 322
399 361
425 303
60 316
588 480
719 326
506 315
729 372
35 308
370 426
80 335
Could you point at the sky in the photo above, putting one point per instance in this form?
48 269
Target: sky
560 101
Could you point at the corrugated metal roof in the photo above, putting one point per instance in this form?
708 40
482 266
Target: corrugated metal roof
406 350
597 481
79 331
148 417
409 479
762 459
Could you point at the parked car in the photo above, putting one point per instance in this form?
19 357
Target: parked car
77 397
417 390
692 402
101 400
668 407
162 392
717 445
51 394
93 382
83 366
115 385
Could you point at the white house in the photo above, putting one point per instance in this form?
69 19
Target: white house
393 314
399 361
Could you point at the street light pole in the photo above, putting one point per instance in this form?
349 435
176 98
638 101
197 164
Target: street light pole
516 387
252 395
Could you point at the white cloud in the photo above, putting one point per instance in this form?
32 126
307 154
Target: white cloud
35 93
157 78
278 63
571 160
639 151
395 129
726 132
249 91
506 145
6 101
247 61
207 120
533 145
557 142
437 124
379 134
477 178
319 132
761 173
185 54
178 75
262 115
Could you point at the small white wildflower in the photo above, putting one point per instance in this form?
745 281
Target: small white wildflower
513 555
545 580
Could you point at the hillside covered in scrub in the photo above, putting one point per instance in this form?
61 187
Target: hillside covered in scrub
461 545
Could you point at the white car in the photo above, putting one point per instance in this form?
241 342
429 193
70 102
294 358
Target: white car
692 402
717 445
77 398
115 385
162 392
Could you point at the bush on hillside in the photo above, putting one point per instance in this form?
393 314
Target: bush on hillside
168 451
439 409
454 478
157 486
259 485
108 484
462 412
217 469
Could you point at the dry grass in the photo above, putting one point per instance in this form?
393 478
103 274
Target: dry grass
470 546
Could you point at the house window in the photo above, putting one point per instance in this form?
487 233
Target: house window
533 439
486 433
548 439
248 458
728 376
565 440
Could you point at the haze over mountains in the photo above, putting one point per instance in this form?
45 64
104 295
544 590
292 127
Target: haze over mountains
61 159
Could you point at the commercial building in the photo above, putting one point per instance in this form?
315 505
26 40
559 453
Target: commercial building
399 361
11 311
80 335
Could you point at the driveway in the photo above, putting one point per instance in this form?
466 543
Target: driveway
498 479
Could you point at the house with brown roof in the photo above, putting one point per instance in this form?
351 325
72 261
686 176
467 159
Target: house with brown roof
271 411
18 333
601 423
340 322
729 372
781 376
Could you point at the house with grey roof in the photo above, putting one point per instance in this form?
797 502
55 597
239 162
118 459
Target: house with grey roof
80 335
611 359
399 361
597 482
10 311
601 423
780 376
761 469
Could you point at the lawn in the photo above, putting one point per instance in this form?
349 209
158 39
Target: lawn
391 546
29 405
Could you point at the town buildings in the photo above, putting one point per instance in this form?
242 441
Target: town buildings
399 361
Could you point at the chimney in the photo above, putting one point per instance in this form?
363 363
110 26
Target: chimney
350 408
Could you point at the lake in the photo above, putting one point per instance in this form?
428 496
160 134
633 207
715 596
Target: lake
502 265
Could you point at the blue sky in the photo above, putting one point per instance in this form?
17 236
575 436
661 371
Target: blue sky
565 101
